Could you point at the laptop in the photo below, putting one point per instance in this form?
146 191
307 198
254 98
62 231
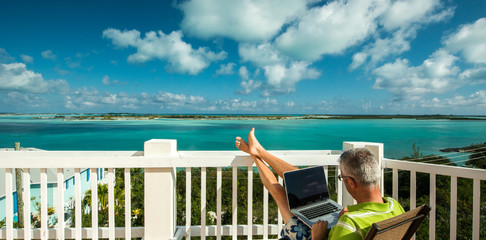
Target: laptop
308 196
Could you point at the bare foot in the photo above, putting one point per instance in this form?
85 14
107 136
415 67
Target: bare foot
319 230
242 145
255 149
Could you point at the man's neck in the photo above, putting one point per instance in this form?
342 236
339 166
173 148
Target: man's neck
369 194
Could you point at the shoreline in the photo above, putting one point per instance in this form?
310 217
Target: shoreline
129 116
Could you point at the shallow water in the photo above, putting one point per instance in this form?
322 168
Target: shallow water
398 135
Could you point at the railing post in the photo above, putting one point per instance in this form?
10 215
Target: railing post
377 150
160 192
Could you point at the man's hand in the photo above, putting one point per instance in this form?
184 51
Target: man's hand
319 230
344 211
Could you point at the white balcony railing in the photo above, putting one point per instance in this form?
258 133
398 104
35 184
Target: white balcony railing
160 159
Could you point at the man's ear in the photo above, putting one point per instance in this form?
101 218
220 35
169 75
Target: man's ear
352 183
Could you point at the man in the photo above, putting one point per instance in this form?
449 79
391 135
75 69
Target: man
360 174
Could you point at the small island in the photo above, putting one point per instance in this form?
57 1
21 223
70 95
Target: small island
134 116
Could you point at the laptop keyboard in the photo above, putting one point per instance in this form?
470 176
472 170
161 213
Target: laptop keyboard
319 210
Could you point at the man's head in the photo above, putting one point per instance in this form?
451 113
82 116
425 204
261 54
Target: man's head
359 164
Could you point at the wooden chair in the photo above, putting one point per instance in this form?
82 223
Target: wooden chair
402 226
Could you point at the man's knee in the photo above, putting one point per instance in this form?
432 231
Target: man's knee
295 229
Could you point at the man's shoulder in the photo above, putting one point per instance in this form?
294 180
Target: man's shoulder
360 217
397 207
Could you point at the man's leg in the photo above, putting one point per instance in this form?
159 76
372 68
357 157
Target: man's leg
274 188
254 148
293 228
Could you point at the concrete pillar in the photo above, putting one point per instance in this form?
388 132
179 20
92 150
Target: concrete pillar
160 192
377 150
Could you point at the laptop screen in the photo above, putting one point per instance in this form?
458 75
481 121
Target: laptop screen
306 186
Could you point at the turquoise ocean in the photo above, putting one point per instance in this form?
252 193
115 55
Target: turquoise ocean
398 135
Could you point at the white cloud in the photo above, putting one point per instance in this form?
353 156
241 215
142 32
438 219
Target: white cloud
22 100
27 58
358 59
61 85
248 86
307 32
91 98
470 41
61 71
181 57
177 100
244 74
397 26
290 104
73 63
474 76
404 13
109 98
477 99
438 74
240 20
48 54
128 102
122 38
330 29
475 103
384 47
108 82
16 77
269 102
68 103
265 105
82 98
236 105
5 57
260 54
282 78
281 72
226 69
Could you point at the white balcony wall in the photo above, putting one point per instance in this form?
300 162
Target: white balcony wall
159 161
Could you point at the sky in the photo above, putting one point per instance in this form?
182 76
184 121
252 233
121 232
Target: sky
243 56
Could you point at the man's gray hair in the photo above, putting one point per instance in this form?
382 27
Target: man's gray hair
361 165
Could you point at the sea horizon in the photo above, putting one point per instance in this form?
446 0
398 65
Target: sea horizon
239 114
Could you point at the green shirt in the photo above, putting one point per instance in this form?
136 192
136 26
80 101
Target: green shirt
356 223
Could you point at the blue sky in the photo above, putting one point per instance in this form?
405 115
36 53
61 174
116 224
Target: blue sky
243 56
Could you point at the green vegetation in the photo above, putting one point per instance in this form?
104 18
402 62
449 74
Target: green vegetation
443 195
36 218
226 205
133 116
477 158
128 116
137 198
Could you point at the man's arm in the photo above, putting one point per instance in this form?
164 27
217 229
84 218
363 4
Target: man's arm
319 230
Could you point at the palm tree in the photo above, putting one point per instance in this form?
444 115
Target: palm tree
137 195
